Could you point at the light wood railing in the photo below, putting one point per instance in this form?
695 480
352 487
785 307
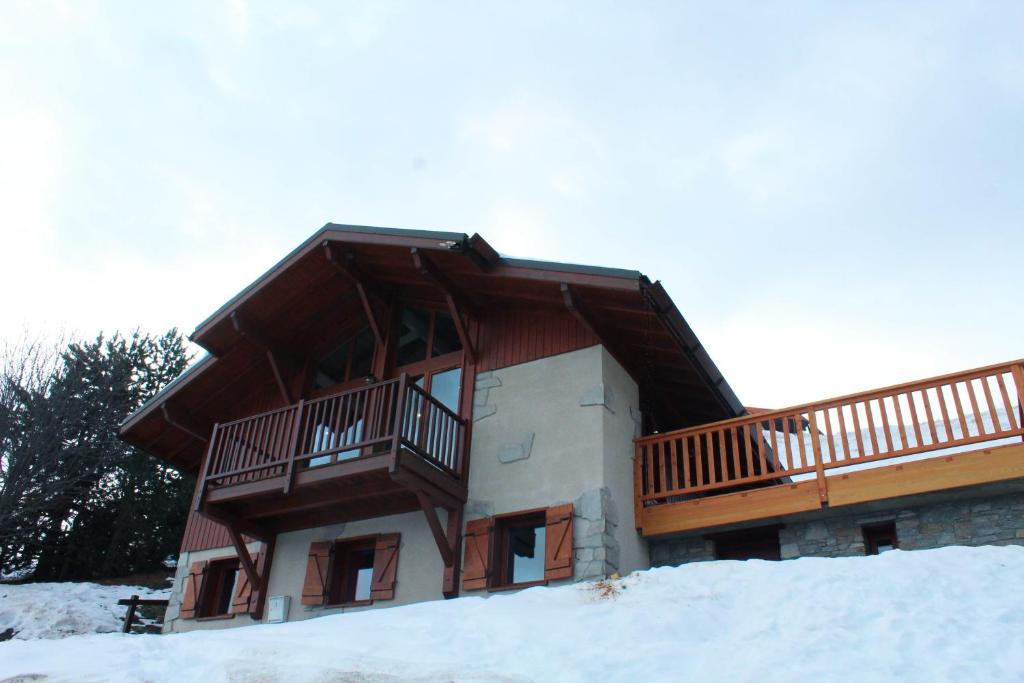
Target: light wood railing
928 416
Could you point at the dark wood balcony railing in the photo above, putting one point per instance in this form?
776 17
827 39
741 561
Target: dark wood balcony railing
935 415
371 420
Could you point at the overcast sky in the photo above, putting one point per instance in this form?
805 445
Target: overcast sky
833 193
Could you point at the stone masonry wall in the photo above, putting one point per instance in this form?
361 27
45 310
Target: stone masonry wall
994 520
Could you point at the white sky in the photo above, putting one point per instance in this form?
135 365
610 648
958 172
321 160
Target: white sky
833 193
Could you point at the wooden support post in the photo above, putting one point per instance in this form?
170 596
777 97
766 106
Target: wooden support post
275 358
129 617
293 447
258 599
1018 379
244 558
201 485
344 263
458 304
819 464
443 542
450 583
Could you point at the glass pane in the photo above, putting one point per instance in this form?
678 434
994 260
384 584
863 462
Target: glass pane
883 546
446 338
412 342
526 553
445 385
360 574
331 370
362 354
363 579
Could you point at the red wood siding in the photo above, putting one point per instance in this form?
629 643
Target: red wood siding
202 533
515 336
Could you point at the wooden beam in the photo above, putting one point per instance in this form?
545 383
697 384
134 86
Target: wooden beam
481 253
244 558
458 303
184 423
344 263
729 508
274 356
450 582
444 544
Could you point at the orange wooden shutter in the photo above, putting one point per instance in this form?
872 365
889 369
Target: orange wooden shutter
314 589
193 590
385 566
558 543
476 566
243 588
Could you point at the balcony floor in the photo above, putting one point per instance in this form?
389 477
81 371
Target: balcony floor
360 488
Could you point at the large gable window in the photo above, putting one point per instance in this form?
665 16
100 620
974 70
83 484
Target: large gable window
349 361
425 334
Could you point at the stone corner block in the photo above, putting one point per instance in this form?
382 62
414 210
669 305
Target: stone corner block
511 452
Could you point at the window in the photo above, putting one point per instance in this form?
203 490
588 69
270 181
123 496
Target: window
520 546
351 572
750 544
879 538
350 361
518 549
425 334
218 588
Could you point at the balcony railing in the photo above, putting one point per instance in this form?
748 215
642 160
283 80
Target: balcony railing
931 416
379 418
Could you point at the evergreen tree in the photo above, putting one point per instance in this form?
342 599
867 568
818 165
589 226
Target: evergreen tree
75 501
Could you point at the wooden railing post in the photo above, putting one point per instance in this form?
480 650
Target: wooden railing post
396 439
293 447
201 496
819 463
129 617
1018 378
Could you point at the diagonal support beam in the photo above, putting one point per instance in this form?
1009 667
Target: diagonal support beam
244 558
343 261
444 544
275 357
458 304
185 424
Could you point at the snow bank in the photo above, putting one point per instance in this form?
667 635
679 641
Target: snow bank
947 614
58 610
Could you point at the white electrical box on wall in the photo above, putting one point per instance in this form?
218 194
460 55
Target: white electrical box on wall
277 608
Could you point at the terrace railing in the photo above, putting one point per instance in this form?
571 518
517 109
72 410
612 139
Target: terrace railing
359 423
929 416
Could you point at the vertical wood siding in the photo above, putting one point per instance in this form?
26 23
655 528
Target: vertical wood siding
516 336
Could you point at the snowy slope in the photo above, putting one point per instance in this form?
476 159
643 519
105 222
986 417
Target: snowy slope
947 614
57 610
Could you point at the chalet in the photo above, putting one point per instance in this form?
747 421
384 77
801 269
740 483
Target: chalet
393 416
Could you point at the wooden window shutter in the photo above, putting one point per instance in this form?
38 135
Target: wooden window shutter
476 567
193 590
314 588
558 543
385 567
243 589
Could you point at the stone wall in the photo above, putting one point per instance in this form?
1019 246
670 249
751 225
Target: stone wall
991 520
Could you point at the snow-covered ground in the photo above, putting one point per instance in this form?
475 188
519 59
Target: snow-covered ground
58 610
953 614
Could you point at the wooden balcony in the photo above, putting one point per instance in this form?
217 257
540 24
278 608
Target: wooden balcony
381 449
940 433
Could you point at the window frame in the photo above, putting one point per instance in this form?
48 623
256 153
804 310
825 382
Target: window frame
337 572
499 579
212 592
729 543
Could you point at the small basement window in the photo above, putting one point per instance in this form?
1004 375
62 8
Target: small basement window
749 544
520 549
879 538
351 572
219 588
